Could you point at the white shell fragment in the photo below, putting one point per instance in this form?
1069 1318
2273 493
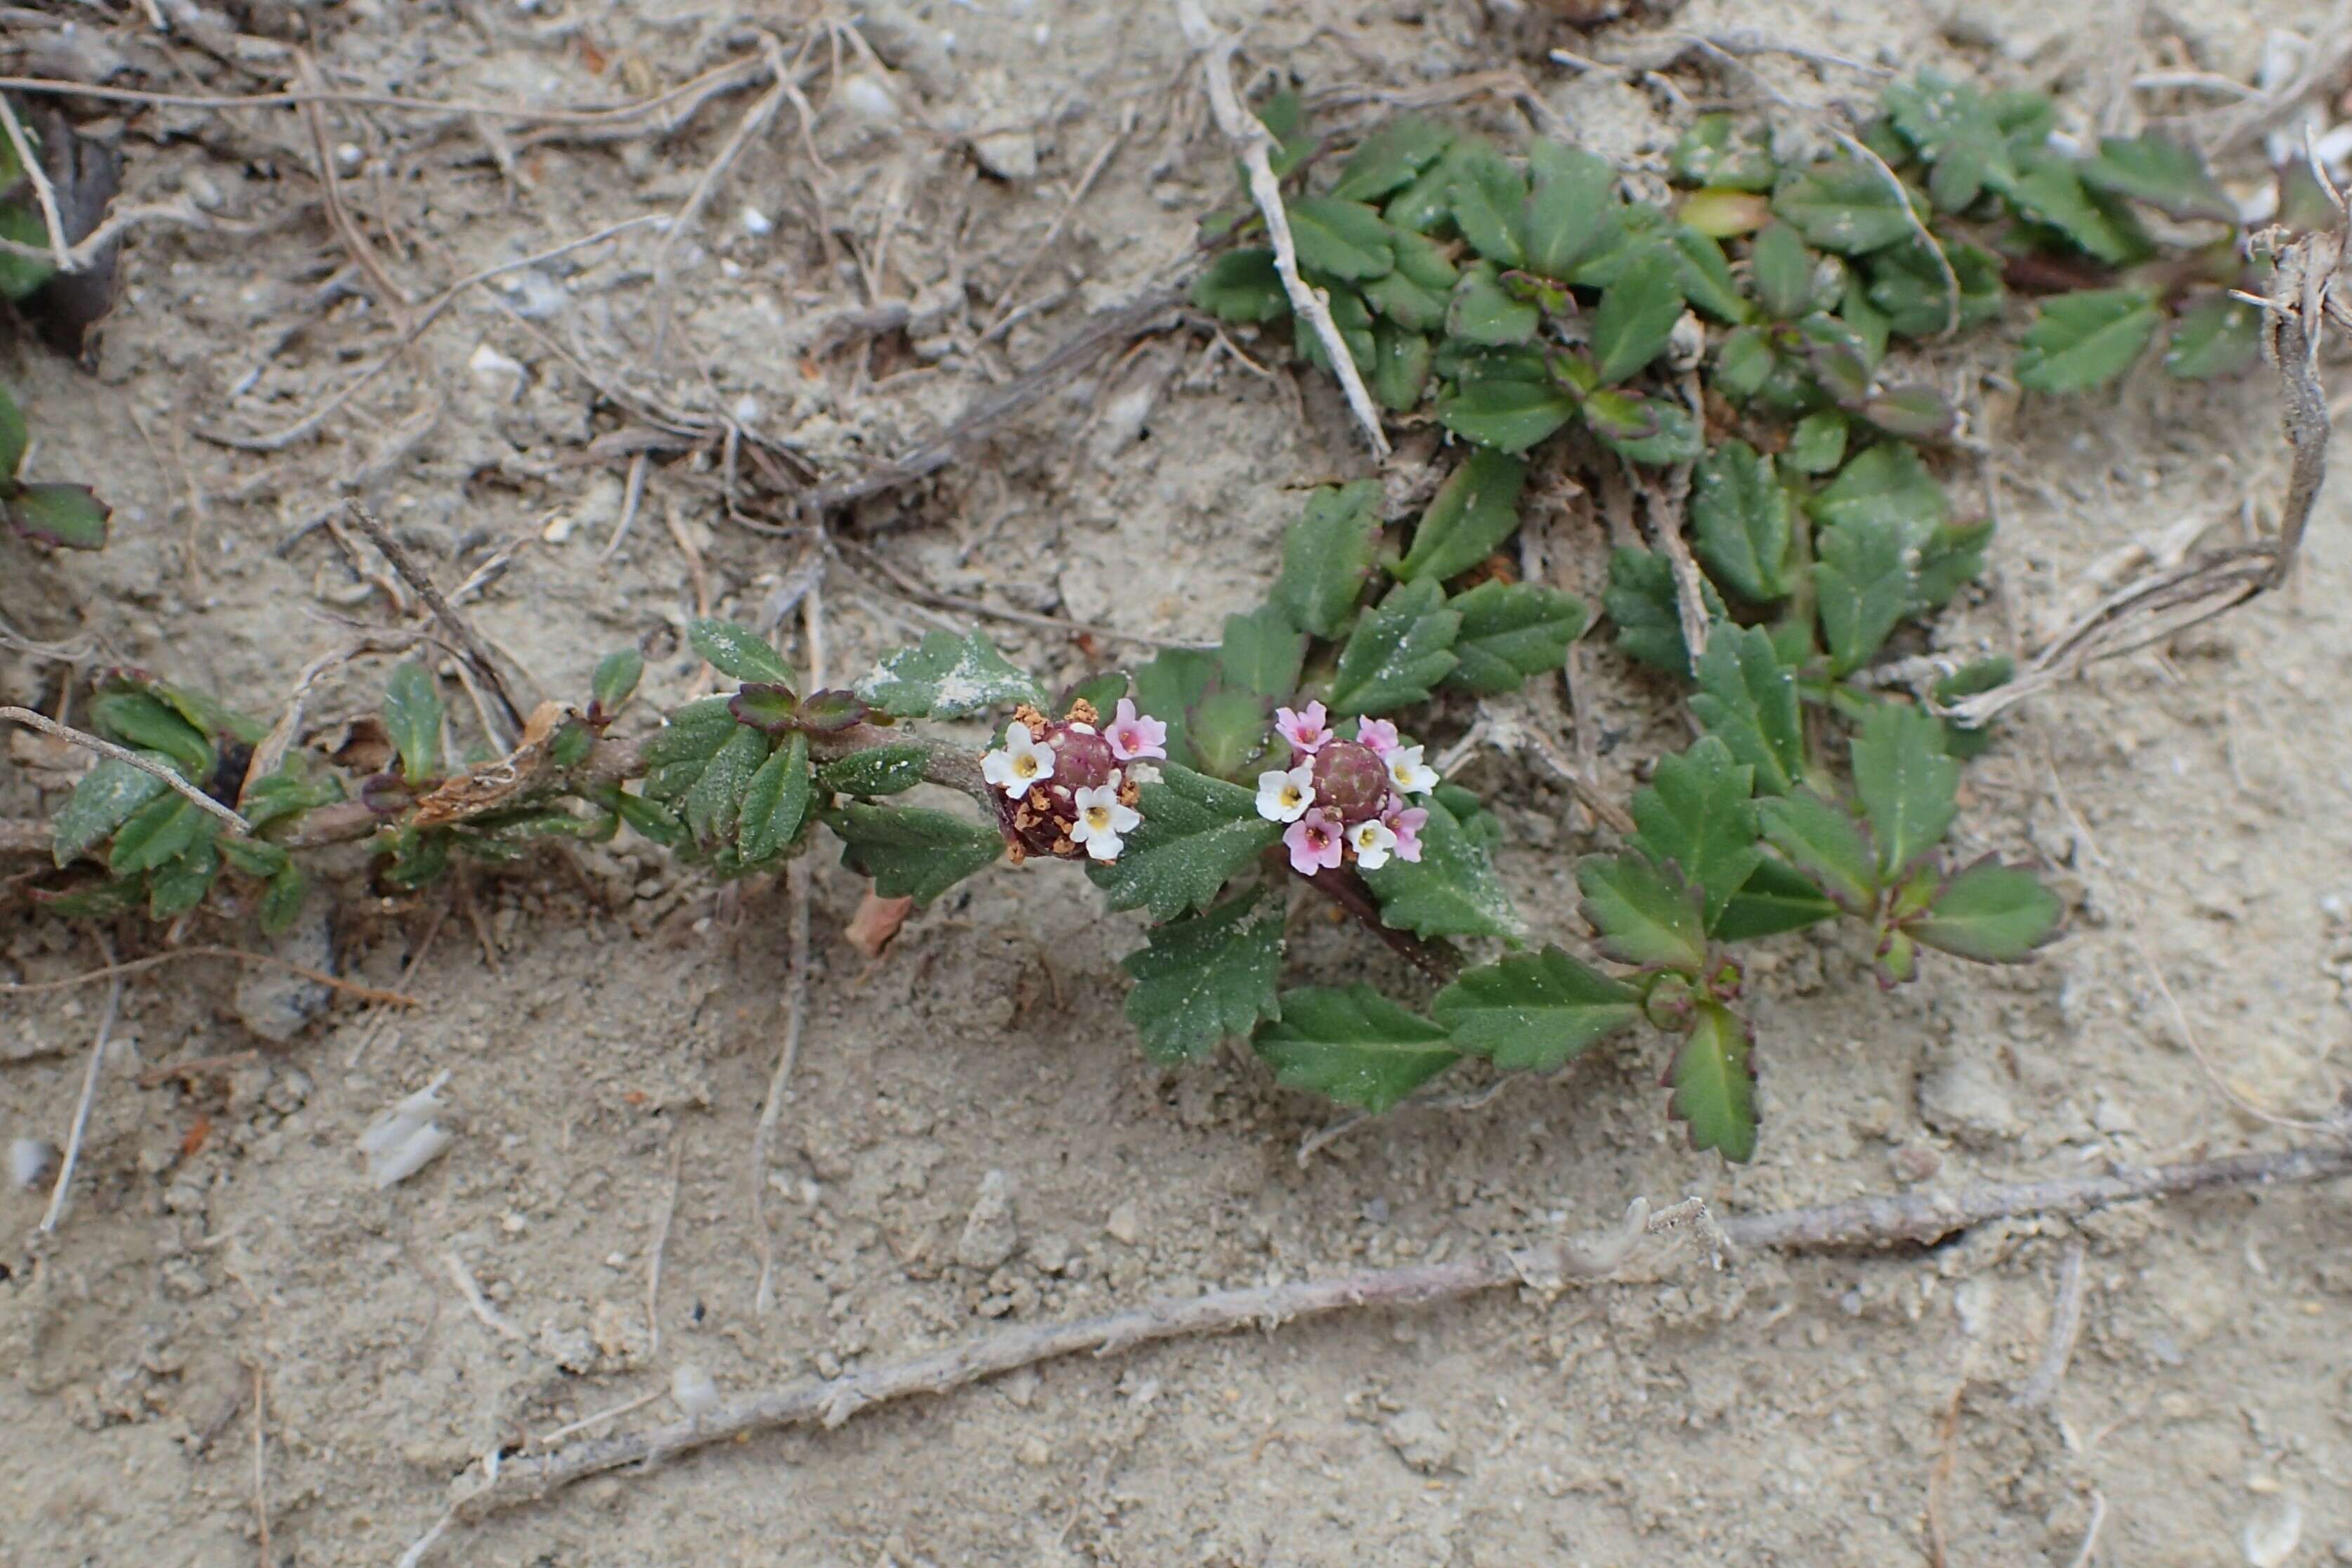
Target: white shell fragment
406 1139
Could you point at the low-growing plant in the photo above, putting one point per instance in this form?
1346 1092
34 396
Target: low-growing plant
58 514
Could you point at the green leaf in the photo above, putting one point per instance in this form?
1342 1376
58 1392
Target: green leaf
1401 361
412 713
1344 239
254 857
289 792
1400 649
2217 336
1452 891
1571 209
70 516
1955 129
776 802
1745 362
1913 412
693 734
1714 1078
1719 151
1646 912
103 800
179 885
1406 303
1197 831
1355 1046
1614 414
1484 312
1535 1011
1720 214
158 832
1906 783
1641 601
1822 839
21 275
877 770
145 722
1975 676
1992 913
90 900
1354 319
1262 652
912 853
281 901
1284 115
1168 686
1782 271
1696 814
1204 977
13 437
1776 898
2086 339
1909 289
615 681
734 651
1741 516
1487 194
1391 158
1818 444
713 804
2169 176
1475 510
1845 207
1511 631
1505 413
1885 484
2050 192
1637 315
1704 273
1229 730
947 677
651 820
765 706
1951 559
1242 285
1748 699
1864 585
1675 438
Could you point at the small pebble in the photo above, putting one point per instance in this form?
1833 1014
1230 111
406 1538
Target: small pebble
1419 1441
755 222
991 1233
2274 1532
1125 1224
30 1161
692 1391
866 95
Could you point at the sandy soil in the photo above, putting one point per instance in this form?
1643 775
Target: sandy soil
604 1020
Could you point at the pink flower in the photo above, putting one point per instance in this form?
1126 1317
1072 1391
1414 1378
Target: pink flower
1406 822
1133 735
1306 730
1314 842
1379 735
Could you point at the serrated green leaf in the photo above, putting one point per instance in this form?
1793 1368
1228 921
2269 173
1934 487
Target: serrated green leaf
1884 485
734 651
1484 312
1841 358
1400 649
2169 176
92 900
1475 510
1391 157
13 435
1452 891
1719 151
1909 289
1741 517
615 681
1992 913
1696 814
1954 128
1423 261
1242 285
145 722
418 856
693 734
1614 414
947 677
2050 192
1511 631
1674 439
1509 416
1637 315
281 901
1354 319
1229 731
1355 1046
289 792
1344 239
775 803
1714 1078
2086 339
1196 833
1846 207
1646 912
159 831
1487 195
912 853
1782 271
2217 336
713 805
106 797
1262 652
765 706
1641 601
1168 686
1864 584
1570 210
1535 1011
71 516
1906 783
1748 699
877 770
1776 898
1704 273
1205 978
1745 362
1915 413
1822 840
1400 362
1952 558
254 857
180 884
411 715
651 820
1818 444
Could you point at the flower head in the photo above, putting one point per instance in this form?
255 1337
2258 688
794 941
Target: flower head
1351 782
1284 797
1372 841
1021 764
1304 729
1134 735
1406 822
1102 817
1407 774
1314 842
1379 735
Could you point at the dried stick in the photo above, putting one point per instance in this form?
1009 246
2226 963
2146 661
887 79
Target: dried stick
755 121
476 1302
60 253
916 588
261 1463
788 1055
1251 139
661 1244
58 1194
469 642
123 755
2066 1326
1093 172
136 965
331 185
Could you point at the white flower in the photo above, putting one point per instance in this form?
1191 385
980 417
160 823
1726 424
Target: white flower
1407 772
1101 821
1020 765
1285 797
1371 841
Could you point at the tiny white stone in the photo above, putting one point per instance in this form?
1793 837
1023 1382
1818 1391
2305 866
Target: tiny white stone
756 222
691 1389
867 97
496 374
30 1160
746 410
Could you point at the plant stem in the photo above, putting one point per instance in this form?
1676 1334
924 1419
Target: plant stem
1345 888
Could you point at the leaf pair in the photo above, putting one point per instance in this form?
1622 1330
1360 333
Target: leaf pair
68 515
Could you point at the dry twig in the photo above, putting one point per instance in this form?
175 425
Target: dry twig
60 1194
469 642
2066 1326
135 965
130 759
44 193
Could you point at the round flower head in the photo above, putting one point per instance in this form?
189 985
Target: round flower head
1406 822
1021 763
1350 781
1305 730
1407 774
1102 817
1379 735
1373 842
1316 842
1133 735
1284 797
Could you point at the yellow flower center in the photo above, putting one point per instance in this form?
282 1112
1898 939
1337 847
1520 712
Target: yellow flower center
1024 765
1098 817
